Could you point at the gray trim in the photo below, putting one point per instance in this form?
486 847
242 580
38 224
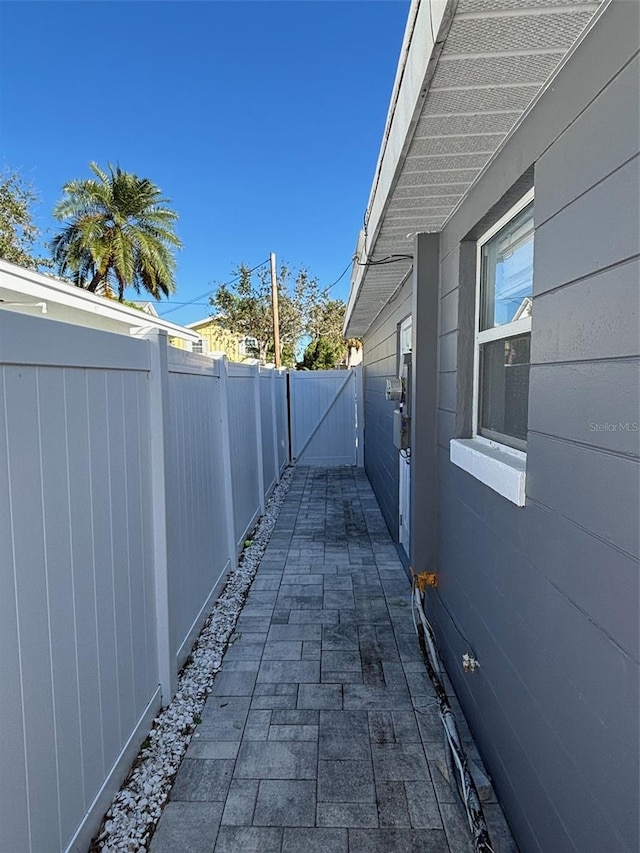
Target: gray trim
424 510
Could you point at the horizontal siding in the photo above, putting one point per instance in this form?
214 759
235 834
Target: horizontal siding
538 658
605 318
380 362
595 404
548 594
595 232
611 125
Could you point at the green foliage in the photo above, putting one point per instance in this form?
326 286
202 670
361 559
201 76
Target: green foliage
323 354
305 312
118 233
327 319
17 230
245 308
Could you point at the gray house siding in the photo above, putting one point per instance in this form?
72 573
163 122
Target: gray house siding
380 362
547 594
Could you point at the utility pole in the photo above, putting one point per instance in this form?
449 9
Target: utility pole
276 318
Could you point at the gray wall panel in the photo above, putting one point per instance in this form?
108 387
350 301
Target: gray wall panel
518 620
595 403
605 318
380 363
448 355
447 391
597 490
599 229
612 126
449 312
446 427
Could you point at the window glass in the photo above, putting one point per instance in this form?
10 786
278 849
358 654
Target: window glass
507 272
504 371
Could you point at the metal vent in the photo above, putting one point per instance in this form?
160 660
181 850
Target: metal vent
481 100
427 179
517 32
429 126
455 144
491 70
470 6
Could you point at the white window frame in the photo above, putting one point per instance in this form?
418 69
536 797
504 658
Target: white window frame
497 465
245 350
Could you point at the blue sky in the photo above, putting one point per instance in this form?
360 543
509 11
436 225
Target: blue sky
261 121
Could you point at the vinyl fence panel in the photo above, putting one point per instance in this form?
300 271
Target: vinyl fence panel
246 448
130 474
267 402
198 552
282 419
77 627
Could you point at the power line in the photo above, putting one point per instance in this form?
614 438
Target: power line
209 292
340 277
389 259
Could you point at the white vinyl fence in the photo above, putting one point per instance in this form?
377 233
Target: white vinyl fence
130 474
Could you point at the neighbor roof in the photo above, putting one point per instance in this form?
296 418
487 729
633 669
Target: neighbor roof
467 73
26 290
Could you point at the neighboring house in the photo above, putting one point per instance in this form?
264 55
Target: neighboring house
147 307
505 209
27 291
212 338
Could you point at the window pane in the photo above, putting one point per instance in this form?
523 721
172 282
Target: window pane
507 272
504 393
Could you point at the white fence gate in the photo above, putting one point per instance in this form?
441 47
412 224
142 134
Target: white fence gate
326 417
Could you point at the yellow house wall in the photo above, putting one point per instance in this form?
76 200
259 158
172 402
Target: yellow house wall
217 340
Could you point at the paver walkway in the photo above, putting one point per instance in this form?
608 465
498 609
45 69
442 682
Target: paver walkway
321 734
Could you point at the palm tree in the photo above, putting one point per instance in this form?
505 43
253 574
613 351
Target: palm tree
118 234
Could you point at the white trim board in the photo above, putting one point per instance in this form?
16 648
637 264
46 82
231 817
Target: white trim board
502 468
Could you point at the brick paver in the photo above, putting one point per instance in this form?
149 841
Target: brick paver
321 733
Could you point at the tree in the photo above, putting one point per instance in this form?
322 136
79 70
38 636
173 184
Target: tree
244 307
307 315
118 233
323 354
17 230
327 319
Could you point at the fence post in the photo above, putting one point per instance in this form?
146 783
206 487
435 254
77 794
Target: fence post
256 394
274 422
226 462
158 438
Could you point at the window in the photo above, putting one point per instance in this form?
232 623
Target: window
505 268
495 454
249 347
199 346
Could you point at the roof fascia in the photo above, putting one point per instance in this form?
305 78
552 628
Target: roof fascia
46 288
417 64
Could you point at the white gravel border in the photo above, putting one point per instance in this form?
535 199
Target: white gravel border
129 823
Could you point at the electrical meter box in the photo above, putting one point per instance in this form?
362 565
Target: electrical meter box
394 389
401 430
